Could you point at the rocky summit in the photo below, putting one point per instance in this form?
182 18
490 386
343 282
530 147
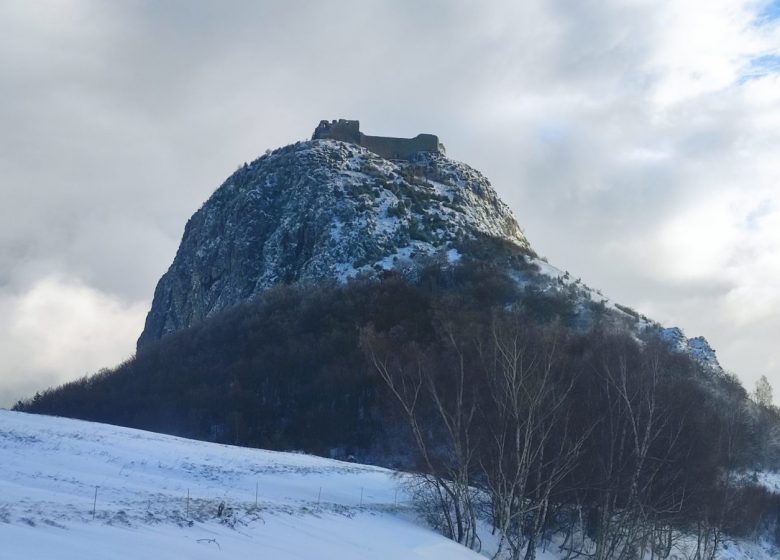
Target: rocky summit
344 205
323 210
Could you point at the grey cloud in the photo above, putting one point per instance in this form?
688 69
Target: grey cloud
119 119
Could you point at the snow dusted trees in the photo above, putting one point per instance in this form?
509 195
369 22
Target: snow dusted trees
439 403
527 450
635 468
616 445
763 392
486 404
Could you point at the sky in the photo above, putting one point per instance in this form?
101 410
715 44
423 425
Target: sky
637 142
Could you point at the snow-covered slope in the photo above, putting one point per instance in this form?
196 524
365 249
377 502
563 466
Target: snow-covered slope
80 490
243 503
553 278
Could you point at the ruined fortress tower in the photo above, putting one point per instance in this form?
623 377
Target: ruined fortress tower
384 146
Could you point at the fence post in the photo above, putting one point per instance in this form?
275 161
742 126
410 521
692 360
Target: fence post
94 504
361 496
319 495
256 487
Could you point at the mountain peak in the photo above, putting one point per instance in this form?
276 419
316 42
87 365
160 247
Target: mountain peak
323 209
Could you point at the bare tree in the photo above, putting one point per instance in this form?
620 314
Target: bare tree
763 392
529 449
549 430
641 487
440 409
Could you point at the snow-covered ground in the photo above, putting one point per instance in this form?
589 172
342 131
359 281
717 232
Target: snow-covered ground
79 490
768 479
243 503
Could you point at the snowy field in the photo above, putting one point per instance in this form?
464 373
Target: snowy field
79 490
243 503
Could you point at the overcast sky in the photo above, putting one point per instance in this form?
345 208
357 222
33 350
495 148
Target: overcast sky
637 142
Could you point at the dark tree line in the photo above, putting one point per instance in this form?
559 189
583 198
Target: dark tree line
617 444
494 393
284 371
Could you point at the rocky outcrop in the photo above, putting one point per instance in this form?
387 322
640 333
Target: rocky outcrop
318 211
328 210
697 347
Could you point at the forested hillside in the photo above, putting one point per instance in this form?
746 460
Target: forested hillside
490 388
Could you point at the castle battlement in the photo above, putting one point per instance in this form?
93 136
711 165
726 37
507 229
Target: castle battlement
384 146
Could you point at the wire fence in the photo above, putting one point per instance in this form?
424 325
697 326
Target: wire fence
111 504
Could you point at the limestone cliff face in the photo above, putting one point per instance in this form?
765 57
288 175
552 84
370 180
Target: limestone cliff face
322 210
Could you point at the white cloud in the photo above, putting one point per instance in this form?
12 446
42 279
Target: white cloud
59 329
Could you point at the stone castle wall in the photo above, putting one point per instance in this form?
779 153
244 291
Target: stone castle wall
400 148
343 130
384 146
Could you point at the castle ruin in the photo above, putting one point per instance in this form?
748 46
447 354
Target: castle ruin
383 146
